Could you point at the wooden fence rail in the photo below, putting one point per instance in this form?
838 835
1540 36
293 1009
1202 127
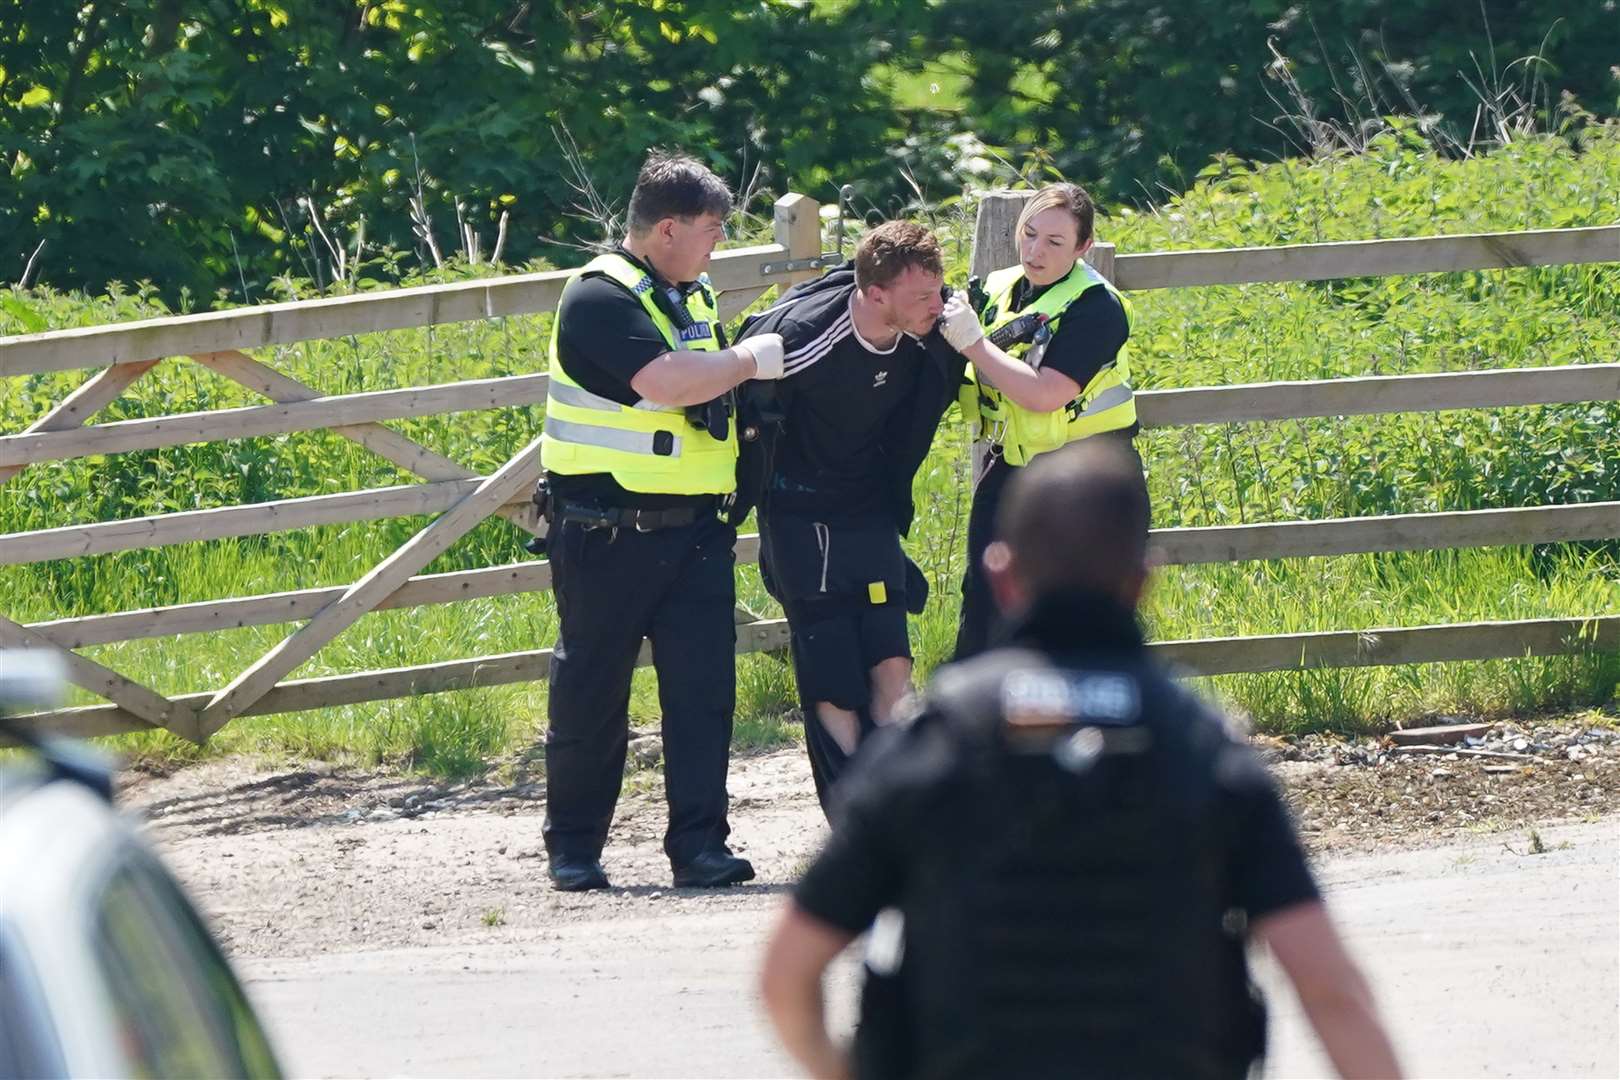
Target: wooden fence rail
1297 400
1393 645
1389 532
1378 394
330 317
1175 547
741 268
126 352
313 414
224 522
1215 656
1367 258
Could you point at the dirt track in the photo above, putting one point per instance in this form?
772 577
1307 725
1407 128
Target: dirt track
393 926
1486 963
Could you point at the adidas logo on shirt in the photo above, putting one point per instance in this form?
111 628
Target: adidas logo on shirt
881 378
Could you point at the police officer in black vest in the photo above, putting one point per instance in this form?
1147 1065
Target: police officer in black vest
1068 851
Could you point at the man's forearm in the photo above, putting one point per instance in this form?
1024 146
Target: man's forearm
797 956
801 1023
1348 1025
1331 989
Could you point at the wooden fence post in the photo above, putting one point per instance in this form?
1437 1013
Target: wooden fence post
994 245
1101 258
797 226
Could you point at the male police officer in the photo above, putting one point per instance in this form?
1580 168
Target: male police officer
866 381
640 454
1076 846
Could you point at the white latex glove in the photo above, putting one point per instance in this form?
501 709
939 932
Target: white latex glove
766 349
958 323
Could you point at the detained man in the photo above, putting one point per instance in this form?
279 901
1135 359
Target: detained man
866 379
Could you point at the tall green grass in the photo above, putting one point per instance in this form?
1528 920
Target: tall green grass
1213 474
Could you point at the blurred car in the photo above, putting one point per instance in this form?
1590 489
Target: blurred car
105 967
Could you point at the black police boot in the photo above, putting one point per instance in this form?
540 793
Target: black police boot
712 869
576 875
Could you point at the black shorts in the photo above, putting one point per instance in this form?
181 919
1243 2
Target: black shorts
844 590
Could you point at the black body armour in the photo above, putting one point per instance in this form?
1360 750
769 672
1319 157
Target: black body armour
1071 915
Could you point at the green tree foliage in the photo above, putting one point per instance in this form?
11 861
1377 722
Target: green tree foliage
1136 94
179 141
210 146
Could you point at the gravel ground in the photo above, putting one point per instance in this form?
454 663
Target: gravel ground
308 859
1369 794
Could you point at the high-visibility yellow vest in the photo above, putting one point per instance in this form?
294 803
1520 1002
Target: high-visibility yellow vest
645 447
1106 403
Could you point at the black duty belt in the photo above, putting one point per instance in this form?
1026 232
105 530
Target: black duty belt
625 517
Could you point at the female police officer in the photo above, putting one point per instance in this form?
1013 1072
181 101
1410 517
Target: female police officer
1050 366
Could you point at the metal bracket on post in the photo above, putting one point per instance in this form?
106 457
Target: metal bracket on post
789 266
816 262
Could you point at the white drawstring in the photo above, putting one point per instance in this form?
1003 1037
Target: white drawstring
824 542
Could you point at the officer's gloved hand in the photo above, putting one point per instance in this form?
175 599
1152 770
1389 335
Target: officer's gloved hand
766 349
959 323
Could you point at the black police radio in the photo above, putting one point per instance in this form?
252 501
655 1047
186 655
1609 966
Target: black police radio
713 416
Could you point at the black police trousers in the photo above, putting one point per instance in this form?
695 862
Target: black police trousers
980 623
614 587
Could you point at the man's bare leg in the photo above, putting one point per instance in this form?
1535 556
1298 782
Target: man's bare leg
891 681
842 724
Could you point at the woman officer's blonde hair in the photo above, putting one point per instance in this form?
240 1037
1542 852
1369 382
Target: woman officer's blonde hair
1070 197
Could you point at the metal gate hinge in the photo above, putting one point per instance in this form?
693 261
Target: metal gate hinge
791 266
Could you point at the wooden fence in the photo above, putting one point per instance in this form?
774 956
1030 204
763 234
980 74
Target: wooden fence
124 353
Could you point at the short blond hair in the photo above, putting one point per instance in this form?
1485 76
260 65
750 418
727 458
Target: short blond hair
1071 197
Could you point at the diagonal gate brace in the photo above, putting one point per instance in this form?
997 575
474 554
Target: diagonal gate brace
77 408
371 590
141 701
381 440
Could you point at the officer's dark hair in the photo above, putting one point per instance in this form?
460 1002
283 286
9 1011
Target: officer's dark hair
1077 518
890 249
678 186
1071 197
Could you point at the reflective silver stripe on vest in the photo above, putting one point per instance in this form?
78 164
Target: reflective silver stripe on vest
580 397
1114 395
652 406
630 442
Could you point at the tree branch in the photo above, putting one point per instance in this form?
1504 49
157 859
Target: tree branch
94 26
